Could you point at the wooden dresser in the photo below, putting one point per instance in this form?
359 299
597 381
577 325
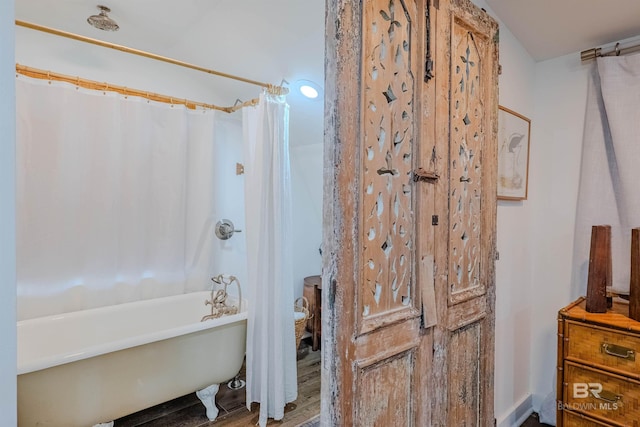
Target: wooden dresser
598 367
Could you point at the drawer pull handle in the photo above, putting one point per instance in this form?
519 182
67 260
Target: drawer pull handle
618 351
607 396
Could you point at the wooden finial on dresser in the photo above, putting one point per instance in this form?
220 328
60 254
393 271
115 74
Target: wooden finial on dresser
599 269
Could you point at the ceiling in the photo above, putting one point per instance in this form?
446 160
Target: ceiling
251 37
266 41
552 28
284 39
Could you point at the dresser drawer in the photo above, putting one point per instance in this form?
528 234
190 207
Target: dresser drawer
606 348
577 420
606 397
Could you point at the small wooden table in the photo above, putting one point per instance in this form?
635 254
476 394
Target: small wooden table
313 293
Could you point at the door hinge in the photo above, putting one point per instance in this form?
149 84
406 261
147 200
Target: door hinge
428 62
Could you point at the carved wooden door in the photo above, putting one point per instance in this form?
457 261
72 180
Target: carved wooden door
410 187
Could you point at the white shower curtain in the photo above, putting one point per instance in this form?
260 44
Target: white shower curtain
271 348
114 197
610 168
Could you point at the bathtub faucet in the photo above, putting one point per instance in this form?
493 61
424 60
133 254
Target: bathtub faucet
218 301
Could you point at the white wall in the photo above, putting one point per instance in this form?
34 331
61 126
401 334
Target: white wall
231 254
514 314
513 269
306 189
535 237
561 90
561 87
7 218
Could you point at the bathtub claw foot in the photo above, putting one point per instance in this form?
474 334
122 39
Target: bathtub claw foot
208 398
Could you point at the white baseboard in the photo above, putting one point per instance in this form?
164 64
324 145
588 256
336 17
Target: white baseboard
517 414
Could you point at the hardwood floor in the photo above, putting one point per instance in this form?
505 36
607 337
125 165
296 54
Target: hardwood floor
533 421
187 411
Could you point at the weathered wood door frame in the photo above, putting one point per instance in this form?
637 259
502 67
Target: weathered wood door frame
395 357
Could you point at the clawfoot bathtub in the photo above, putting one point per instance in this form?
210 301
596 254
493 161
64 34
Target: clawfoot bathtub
93 366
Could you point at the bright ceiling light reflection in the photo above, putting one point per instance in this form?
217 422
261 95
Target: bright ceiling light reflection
309 89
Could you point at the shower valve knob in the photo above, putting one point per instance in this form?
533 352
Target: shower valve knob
225 229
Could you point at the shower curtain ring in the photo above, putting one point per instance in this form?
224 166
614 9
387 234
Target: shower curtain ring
617 49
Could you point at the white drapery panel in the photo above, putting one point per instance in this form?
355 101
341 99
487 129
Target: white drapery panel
115 198
271 348
610 169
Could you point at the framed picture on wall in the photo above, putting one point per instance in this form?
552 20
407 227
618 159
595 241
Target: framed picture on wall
513 154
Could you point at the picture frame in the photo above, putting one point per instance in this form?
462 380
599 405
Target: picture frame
514 133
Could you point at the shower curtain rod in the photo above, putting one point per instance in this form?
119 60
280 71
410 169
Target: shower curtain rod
272 88
106 87
595 52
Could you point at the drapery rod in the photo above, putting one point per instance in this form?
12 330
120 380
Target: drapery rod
106 87
589 54
273 88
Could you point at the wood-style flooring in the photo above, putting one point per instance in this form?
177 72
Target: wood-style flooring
533 421
188 411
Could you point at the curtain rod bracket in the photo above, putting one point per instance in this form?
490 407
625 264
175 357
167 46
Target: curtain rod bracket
596 52
588 54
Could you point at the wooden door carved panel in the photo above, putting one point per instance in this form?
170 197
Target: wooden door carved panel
467 302
465 154
388 138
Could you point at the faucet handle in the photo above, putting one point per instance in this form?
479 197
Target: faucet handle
225 229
